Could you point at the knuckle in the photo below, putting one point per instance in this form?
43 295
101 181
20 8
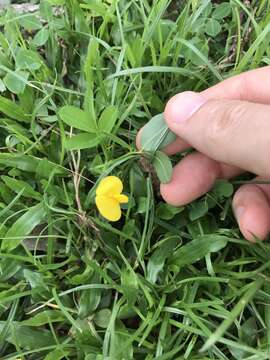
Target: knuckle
225 122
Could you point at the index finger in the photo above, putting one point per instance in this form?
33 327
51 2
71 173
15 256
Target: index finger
253 86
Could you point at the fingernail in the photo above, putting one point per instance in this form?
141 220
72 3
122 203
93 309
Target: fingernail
182 106
239 211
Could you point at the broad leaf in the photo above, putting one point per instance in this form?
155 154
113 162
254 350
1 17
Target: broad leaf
163 167
27 338
198 209
212 27
77 118
41 37
197 249
223 188
157 259
28 59
167 212
45 317
156 134
107 119
16 81
102 318
30 22
57 354
22 162
82 141
89 299
129 285
23 227
222 10
12 110
19 185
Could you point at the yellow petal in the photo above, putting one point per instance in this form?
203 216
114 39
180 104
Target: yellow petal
110 185
109 208
122 199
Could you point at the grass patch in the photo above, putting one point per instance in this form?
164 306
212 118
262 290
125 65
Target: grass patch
162 283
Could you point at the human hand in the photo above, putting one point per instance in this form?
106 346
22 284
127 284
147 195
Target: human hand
229 126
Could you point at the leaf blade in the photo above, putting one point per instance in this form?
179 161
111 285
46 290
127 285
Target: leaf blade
12 110
163 167
197 249
156 135
82 141
77 118
23 227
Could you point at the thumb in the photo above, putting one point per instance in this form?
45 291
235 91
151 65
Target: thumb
230 131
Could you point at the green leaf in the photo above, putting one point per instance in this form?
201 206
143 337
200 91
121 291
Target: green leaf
77 118
121 348
30 22
108 118
157 259
45 317
129 285
9 268
19 185
35 279
28 59
198 209
167 211
27 338
163 167
31 164
41 37
22 162
249 331
212 27
89 299
223 188
197 51
57 354
207 9
82 141
97 8
102 318
45 168
198 249
23 227
222 10
12 110
142 205
156 135
16 81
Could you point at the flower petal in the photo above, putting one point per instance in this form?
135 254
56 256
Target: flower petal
110 185
109 208
122 199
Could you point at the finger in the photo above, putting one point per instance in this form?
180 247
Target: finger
229 171
192 177
250 86
264 187
252 210
233 132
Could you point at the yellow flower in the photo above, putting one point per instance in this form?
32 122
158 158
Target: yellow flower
109 198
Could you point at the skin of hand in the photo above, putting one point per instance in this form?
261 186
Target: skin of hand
229 127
